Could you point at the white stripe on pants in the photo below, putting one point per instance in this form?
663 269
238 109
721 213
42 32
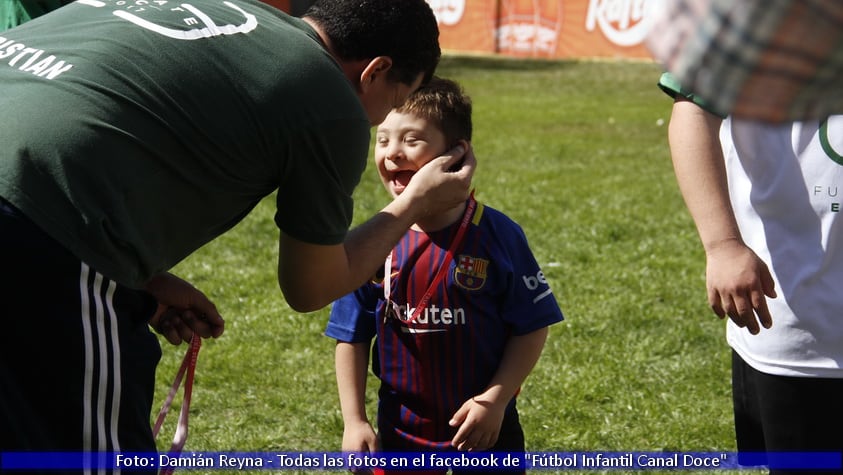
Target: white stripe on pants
102 354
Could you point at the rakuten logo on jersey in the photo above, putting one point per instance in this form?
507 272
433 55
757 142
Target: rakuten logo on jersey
434 315
623 22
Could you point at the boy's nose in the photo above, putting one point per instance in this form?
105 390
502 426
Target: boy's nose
394 154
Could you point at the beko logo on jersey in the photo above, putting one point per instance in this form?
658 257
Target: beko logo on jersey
31 60
533 282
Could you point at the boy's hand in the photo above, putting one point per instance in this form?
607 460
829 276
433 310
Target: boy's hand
479 424
359 437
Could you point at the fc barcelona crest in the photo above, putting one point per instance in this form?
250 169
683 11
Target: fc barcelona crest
470 272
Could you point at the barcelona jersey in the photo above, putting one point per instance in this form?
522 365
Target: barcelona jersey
430 365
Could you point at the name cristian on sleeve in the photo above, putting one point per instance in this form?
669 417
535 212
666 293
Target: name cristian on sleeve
31 60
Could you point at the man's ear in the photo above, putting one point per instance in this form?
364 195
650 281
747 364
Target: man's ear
375 71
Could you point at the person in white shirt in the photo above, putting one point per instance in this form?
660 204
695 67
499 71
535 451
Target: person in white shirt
766 202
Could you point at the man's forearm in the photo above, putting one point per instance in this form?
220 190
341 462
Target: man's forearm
312 276
701 173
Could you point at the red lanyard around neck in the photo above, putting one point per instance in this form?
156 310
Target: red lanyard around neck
440 274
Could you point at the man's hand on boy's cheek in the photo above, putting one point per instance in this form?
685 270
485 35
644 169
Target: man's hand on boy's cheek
435 188
467 156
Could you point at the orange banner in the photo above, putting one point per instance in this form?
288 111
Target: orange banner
540 28
546 28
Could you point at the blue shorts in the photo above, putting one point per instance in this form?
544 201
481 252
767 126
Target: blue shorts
77 358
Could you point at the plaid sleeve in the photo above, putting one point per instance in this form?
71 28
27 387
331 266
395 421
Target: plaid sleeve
755 59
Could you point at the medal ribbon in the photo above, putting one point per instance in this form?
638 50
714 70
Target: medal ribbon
188 366
443 268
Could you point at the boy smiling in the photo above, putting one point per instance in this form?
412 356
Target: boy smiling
461 318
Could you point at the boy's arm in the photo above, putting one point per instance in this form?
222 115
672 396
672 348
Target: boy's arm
736 278
479 419
352 362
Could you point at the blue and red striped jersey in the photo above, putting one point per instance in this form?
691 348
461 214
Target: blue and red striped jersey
429 367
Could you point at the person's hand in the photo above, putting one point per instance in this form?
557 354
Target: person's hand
359 438
442 183
479 424
182 310
738 282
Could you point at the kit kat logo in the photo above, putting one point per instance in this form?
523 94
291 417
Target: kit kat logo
470 272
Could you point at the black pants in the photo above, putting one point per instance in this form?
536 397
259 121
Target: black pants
77 359
786 414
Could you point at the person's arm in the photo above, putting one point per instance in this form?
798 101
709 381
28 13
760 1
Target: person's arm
737 279
351 363
312 276
479 419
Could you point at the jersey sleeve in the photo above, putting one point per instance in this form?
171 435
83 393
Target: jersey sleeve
529 303
352 318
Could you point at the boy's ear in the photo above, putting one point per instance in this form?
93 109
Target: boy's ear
375 71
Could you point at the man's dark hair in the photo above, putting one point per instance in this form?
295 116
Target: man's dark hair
404 30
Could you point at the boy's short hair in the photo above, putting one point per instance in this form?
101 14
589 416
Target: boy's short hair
404 30
443 102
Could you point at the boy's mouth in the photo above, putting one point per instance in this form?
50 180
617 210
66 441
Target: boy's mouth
402 179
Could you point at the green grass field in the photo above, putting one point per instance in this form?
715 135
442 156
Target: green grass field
576 152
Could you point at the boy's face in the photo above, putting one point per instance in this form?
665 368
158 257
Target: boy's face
405 143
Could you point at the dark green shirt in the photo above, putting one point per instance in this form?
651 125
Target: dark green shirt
134 135
15 12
